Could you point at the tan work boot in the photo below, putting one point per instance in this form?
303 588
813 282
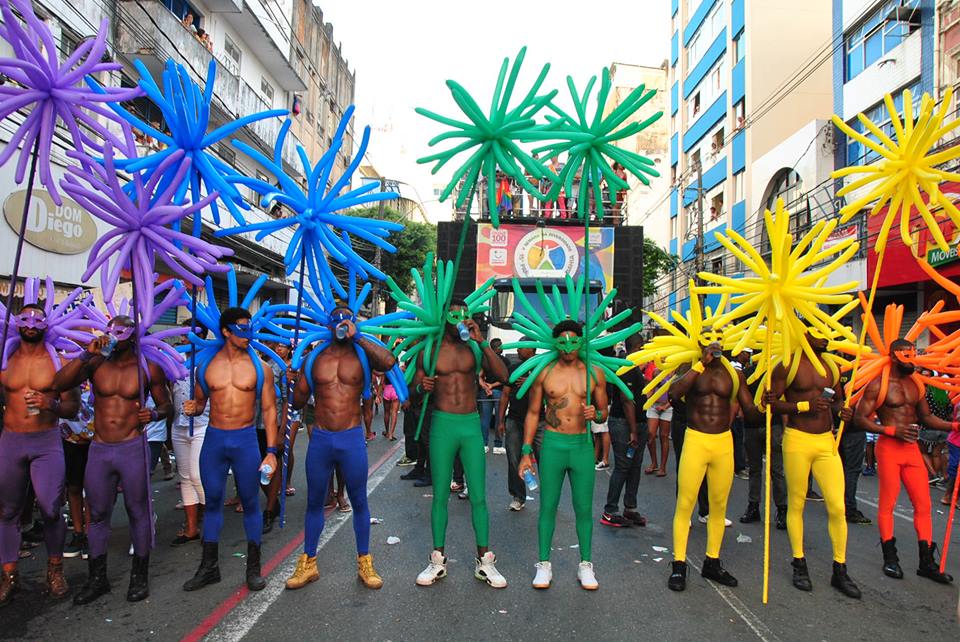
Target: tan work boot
305 572
9 585
56 582
367 573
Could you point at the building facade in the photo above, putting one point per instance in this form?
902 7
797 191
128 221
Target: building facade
738 87
253 45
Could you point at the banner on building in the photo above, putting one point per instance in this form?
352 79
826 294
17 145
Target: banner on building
528 251
899 262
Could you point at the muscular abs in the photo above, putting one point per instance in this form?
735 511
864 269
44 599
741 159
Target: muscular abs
233 391
27 372
900 406
456 387
709 400
564 390
808 385
338 387
116 398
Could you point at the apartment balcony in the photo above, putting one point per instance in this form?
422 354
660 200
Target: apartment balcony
148 31
265 132
270 42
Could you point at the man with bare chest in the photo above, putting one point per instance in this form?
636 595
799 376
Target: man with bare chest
119 453
567 448
709 390
234 385
810 401
338 439
455 429
901 408
31 449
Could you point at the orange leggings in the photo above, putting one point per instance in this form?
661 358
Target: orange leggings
899 461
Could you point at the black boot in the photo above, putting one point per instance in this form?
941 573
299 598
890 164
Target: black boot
268 517
842 582
781 518
138 589
929 566
678 577
801 577
713 570
254 581
891 563
752 514
209 571
97 583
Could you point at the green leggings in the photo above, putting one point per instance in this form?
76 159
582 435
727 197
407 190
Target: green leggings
566 454
451 434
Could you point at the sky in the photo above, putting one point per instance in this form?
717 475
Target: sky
403 53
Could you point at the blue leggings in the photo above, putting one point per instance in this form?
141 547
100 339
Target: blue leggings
348 450
221 451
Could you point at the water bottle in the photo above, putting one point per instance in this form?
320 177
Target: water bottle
530 480
265 472
464 332
107 350
341 332
631 451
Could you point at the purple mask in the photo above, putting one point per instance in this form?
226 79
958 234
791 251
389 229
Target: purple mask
31 321
120 332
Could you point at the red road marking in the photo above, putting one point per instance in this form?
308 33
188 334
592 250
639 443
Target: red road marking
220 613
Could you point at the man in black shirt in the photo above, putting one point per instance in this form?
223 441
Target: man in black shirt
511 412
754 441
624 439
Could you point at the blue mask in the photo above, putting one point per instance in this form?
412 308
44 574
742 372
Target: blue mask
244 331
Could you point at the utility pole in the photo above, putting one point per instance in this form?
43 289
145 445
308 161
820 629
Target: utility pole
377 258
700 249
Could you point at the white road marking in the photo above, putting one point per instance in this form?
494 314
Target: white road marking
903 516
749 618
246 614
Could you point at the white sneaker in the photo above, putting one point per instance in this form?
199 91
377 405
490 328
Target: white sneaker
499 450
465 493
434 571
487 571
544 576
486 450
130 552
587 579
516 505
703 520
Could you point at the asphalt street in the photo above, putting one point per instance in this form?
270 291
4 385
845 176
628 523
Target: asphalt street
632 566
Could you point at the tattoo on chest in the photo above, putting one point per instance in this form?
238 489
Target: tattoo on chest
552 407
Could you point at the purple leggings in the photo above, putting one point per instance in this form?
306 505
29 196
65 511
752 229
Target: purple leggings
26 457
123 463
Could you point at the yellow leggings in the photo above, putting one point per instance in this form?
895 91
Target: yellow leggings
803 452
710 455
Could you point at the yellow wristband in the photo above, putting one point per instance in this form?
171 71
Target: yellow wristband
803 406
697 367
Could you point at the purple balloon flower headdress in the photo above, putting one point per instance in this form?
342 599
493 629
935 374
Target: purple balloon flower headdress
153 345
67 323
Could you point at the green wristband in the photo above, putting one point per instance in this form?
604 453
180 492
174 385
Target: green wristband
484 345
526 449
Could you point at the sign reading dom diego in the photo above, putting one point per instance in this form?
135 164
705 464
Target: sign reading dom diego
61 229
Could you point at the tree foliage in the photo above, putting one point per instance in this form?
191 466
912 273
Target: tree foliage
656 263
412 245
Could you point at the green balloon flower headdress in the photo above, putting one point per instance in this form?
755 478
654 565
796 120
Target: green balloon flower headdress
563 306
421 336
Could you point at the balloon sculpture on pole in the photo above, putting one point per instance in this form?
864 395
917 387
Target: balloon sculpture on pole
792 283
320 231
53 93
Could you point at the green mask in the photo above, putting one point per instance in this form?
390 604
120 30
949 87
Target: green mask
457 316
568 344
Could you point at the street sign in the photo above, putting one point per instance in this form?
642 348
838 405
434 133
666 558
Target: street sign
60 229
